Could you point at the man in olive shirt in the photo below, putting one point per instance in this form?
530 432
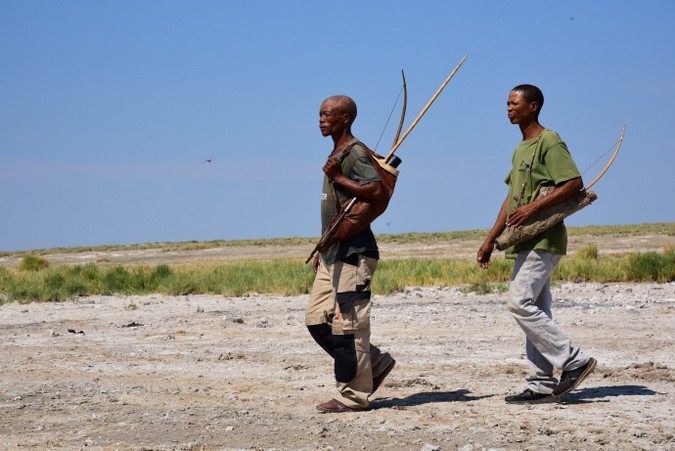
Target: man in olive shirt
541 159
338 313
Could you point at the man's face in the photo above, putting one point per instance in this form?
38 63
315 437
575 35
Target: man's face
518 109
331 118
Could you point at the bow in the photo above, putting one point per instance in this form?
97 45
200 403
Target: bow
611 160
404 91
405 104
424 110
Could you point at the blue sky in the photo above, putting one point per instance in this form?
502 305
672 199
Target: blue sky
108 110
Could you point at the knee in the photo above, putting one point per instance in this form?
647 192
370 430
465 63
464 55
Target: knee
321 333
517 306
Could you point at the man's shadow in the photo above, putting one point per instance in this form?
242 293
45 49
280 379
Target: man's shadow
582 396
600 394
417 399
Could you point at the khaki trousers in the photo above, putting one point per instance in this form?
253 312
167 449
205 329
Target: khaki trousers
341 298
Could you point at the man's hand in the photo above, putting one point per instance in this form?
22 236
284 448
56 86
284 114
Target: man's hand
562 192
484 253
315 263
332 168
521 214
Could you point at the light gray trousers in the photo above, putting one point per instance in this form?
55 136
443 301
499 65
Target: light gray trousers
547 347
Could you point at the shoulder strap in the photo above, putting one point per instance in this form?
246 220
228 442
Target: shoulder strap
346 149
529 170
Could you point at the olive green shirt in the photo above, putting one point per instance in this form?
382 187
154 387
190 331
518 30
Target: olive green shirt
357 166
552 165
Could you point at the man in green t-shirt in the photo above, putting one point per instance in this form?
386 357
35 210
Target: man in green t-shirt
540 160
338 313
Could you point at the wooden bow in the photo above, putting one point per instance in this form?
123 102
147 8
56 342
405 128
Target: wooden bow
611 160
404 92
405 104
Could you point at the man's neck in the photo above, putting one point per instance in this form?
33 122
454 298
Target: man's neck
531 130
339 142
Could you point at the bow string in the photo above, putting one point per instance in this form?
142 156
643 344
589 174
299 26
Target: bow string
404 93
611 160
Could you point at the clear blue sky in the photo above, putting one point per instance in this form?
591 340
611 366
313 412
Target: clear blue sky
109 108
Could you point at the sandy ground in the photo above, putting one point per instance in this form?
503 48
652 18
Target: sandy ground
213 372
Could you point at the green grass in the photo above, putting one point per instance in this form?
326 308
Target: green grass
33 263
291 277
661 228
34 279
277 276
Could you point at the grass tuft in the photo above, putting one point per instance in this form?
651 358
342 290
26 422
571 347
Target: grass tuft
33 263
651 266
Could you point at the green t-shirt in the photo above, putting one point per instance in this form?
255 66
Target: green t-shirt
551 166
357 166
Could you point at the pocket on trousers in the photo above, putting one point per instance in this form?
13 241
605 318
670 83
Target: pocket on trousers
356 316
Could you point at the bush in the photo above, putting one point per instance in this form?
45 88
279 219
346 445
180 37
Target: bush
33 263
589 252
651 266
116 280
396 275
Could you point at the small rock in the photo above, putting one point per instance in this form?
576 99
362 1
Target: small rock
428 447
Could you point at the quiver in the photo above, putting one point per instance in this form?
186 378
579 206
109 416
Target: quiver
544 219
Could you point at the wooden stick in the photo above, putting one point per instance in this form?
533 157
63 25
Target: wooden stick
426 107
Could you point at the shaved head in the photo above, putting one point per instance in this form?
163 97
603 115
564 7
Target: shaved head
344 104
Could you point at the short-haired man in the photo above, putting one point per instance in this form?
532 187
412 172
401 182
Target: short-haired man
338 314
541 159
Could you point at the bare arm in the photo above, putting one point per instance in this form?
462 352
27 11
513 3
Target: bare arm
485 251
563 191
